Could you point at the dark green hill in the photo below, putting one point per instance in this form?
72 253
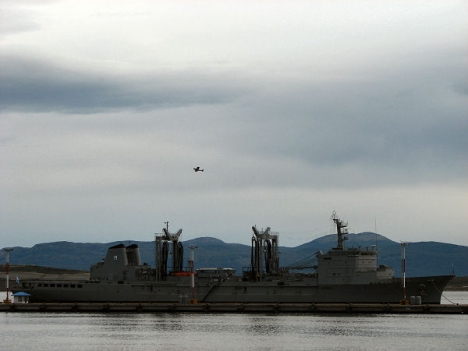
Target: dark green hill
423 258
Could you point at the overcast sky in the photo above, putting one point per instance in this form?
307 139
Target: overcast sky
293 108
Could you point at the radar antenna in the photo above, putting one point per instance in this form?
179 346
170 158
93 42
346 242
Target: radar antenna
341 229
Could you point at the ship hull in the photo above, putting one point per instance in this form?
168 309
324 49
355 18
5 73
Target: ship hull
275 291
429 288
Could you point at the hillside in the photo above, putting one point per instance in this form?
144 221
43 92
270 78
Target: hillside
423 258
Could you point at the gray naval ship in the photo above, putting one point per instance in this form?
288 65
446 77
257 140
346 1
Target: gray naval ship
340 276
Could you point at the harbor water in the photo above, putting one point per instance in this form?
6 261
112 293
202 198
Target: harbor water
205 332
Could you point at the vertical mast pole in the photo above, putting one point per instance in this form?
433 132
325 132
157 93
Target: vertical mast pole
7 271
192 270
403 269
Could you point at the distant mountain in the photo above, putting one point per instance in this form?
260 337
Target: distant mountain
422 258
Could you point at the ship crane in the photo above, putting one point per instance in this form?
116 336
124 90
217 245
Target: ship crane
162 252
265 252
306 263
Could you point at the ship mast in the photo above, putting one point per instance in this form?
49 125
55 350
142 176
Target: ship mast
403 271
192 271
7 270
341 229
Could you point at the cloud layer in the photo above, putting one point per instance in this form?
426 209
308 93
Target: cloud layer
293 110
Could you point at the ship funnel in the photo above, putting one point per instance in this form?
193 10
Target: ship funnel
133 255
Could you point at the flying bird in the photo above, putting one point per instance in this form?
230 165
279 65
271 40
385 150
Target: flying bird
198 169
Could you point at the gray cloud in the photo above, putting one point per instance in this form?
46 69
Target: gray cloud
16 20
391 132
35 85
400 125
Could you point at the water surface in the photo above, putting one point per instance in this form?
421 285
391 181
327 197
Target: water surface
206 332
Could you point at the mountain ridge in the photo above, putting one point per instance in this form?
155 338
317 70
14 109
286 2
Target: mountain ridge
422 258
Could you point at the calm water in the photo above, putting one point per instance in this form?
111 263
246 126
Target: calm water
204 332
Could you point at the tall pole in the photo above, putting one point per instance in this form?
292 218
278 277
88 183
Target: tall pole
7 270
192 270
403 269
